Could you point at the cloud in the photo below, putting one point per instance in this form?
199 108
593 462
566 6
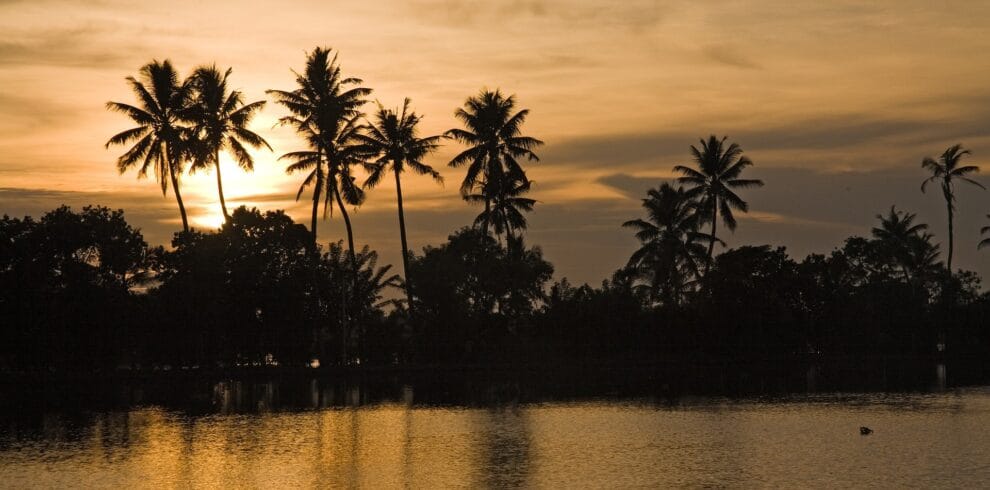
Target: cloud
472 13
631 186
812 211
81 46
728 55
153 214
23 114
875 141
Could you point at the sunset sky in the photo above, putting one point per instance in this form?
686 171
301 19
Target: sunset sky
835 102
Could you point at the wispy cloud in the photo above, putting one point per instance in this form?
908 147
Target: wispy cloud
618 89
729 55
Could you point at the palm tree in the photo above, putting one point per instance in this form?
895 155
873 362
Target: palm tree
986 241
719 168
393 144
160 141
900 240
945 170
220 119
504 214
356 285
343 152
320 107
493 134
671 243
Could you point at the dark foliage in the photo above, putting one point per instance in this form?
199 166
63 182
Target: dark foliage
474 296
83 292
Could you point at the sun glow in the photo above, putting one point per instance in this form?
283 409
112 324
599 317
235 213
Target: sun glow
210 221
266 187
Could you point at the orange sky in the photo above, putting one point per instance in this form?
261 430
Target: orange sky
835 103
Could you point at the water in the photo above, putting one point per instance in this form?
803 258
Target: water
933 440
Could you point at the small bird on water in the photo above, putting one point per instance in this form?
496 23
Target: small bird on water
865 431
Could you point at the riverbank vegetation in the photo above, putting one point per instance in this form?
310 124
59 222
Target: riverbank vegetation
83 291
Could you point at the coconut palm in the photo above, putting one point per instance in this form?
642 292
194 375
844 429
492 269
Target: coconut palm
493 134
902 241
717 174
946 171
220 118
505 213
392 144
357 293
160 142
343 152
320 108
671 243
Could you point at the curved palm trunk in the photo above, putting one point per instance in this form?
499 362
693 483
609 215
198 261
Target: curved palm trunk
354 274
405 246
711 243
178 194
223 203
178 198
347 224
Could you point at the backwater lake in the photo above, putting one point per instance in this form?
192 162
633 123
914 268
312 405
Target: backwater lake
258 433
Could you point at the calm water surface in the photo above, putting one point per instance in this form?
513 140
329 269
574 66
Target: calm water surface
920 440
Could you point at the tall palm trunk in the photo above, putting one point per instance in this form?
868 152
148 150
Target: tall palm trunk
949 260
223 203
178 198
354 274
347 225
175 189
316 193
711 243
402 237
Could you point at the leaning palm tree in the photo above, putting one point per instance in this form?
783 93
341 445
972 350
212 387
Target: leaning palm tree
220 119
392 144
505 213
986 241
493 134
671 243
945 171
160 141
719 168
320 107
343 152
311 160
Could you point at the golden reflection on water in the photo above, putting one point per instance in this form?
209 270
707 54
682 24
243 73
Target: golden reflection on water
928 440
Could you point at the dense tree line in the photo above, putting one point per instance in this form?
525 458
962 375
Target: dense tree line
82 290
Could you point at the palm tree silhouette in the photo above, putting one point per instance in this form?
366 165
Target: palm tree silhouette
899 236
719 168
504 213
321 106
671 243
393 144
160 141
945 170
220 119
986 241
343 152
493 134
